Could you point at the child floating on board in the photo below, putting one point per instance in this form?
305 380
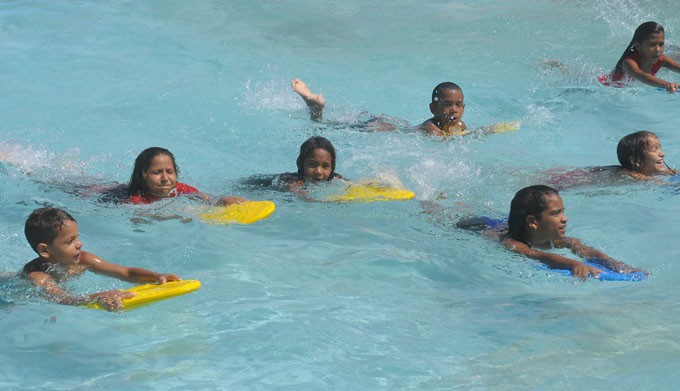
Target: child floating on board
154 177
537 223
640 157
642 59
447 108
315 164
53 234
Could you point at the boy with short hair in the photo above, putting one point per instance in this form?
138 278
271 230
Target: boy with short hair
53 234
447 108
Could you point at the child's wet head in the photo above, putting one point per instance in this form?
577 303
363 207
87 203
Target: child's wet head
43 225
138 183
316 160
647 31
530 201
448 103
641 152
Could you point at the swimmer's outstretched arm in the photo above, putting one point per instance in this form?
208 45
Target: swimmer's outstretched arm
298 188
671 64
315 102
228 200
653 179
130 274
110 300
578 248
555 261
632 68
223 201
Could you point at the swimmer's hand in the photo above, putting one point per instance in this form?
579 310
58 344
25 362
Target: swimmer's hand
112 300
622 268
226 201
163 278
671 87
455 128
616 266
583 271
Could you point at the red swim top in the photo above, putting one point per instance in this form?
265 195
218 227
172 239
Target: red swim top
181 188
617 77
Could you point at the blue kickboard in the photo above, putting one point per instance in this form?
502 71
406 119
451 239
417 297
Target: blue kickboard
607 275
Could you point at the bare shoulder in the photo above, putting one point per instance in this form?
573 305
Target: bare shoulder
295 185
39 278
429 127
567 242
87 256
36 265
90 260
630 63
522 248
514 245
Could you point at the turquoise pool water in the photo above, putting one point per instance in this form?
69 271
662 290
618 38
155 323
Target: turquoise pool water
336 296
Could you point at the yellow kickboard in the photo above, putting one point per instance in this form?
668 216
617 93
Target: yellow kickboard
245 213
372 192
503 127
149 293
500 127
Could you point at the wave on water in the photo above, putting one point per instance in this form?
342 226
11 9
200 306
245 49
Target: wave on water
41 164
623 16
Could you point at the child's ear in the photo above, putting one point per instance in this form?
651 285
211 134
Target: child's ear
532 222
433 108
41 249
635 162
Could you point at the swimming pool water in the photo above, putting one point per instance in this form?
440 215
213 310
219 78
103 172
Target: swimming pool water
336 296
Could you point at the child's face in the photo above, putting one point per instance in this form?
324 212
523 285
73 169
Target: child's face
318 165
652 47
65 248
553 222
449 108
160 178
654 163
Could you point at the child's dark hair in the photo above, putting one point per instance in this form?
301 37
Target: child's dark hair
142 163
530 201
642 33
308 147
43 225
447 85
631 150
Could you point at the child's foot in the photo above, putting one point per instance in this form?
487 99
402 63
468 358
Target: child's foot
315 101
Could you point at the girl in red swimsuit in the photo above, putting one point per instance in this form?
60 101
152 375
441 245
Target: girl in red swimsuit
643 58
155 177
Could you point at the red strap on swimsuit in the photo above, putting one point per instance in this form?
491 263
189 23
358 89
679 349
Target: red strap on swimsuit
615 78
181 188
